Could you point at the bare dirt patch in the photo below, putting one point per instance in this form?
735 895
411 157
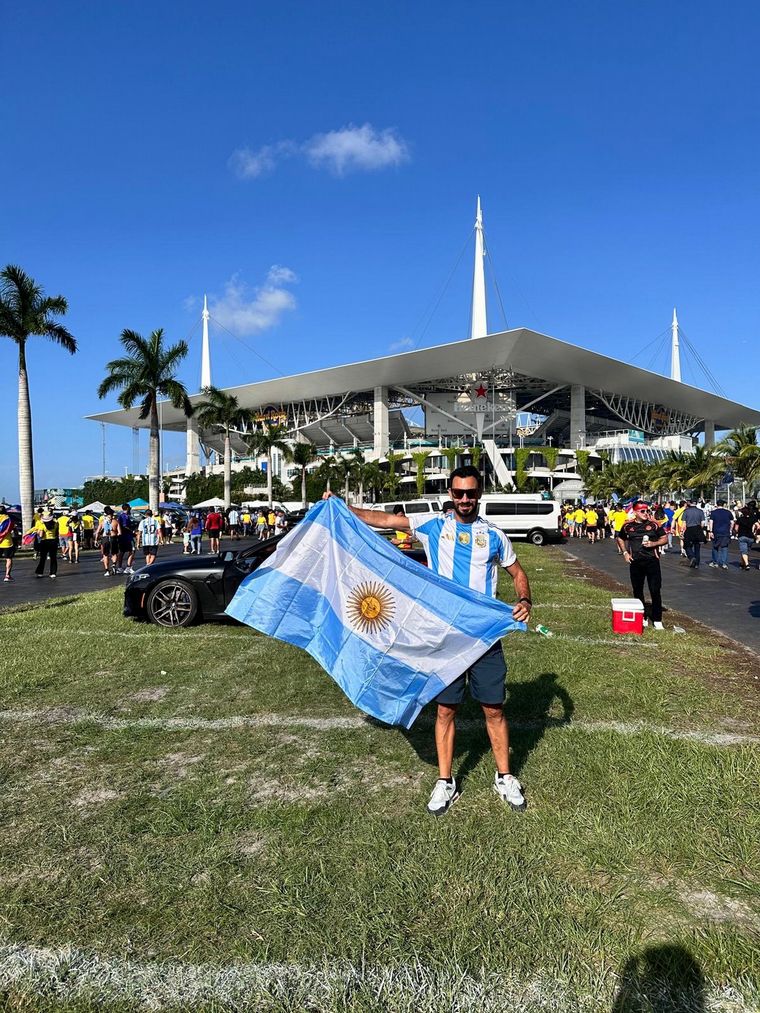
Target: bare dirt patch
178 764
151 694
95 797
705 905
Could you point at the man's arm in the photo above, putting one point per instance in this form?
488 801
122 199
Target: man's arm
377 518
521 609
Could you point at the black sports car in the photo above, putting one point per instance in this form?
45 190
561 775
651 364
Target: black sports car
176 592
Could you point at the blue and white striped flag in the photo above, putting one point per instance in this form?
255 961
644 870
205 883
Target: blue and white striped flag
389 631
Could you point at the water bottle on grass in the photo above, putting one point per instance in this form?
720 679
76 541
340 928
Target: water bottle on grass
544 631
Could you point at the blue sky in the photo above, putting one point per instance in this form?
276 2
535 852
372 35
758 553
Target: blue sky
314 169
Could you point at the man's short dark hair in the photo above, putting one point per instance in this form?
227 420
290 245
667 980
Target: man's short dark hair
721 502
465 471
125 506
398 509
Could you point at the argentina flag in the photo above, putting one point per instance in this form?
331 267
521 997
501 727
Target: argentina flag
390 632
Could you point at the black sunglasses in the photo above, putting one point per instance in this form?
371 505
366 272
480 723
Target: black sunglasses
465 493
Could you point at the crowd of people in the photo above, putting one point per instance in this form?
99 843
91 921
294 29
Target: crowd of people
686 524
120 534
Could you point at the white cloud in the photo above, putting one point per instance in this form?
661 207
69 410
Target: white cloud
245 310
350 149
248 164
402 345
190 302
279 275
354 148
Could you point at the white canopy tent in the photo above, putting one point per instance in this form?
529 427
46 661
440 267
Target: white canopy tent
215 501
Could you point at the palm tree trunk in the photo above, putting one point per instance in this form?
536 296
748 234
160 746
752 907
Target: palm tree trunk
153 456
227 470
25 452
303 486
269 478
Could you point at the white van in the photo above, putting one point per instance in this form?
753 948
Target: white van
520 515
525 515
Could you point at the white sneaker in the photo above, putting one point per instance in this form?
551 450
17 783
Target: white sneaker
444 796
119 570
128 569
106 573
509 790
658 626
646 623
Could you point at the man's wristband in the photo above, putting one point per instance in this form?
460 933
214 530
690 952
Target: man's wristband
526 600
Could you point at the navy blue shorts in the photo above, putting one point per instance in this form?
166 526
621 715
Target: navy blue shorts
487 679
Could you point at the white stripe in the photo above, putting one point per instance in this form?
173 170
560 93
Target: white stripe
446 545
480 571
71 973
414 637
65 716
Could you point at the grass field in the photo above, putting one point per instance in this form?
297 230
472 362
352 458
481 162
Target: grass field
200 820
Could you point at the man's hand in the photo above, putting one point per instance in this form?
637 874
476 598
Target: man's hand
327 495
521 611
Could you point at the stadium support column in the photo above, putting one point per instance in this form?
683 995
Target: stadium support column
709 433
380 418
577 416
193 455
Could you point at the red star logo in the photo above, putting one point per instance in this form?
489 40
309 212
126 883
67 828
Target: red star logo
481 391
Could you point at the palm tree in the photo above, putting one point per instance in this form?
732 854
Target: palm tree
371 476
221 411
303 454
420 458
145 373
742 454
706 468
25 310
262 442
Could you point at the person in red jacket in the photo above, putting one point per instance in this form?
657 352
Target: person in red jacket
214 525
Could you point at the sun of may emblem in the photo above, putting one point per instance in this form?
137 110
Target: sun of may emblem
371 607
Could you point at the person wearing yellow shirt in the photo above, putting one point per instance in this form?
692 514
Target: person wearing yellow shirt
579 516
46 530
271 521
64 537
245 520
678 525
7 545
592 522
88 529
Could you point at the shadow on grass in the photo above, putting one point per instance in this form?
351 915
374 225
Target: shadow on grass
662 978
528 709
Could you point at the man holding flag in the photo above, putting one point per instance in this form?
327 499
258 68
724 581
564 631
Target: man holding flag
467 549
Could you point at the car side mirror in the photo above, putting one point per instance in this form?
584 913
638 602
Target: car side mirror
228 555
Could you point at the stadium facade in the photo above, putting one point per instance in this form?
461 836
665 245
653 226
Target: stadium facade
502 391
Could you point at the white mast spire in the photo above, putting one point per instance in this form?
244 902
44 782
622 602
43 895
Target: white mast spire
675 353
478 324
206 353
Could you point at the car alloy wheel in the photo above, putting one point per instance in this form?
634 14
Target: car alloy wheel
172 603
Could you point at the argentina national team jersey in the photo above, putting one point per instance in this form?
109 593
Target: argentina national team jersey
469 554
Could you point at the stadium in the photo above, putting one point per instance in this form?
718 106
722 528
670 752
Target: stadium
504 392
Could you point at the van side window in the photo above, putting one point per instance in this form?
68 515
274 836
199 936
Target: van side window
420 508
505 509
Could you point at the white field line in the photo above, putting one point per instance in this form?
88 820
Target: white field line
72 974
622 641
64 716
157 639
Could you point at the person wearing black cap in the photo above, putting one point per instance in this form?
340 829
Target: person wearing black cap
639 540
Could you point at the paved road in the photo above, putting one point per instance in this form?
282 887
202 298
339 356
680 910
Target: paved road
87 575
726 600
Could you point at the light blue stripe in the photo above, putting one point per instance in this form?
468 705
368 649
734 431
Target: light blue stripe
458 605
284 608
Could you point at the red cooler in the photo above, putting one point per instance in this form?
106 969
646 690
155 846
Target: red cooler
627 616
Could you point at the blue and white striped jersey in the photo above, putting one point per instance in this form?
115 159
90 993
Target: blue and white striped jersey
469 554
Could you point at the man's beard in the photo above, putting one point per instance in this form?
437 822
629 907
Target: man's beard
466 517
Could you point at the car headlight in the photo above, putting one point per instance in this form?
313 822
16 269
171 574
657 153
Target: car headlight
137 576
